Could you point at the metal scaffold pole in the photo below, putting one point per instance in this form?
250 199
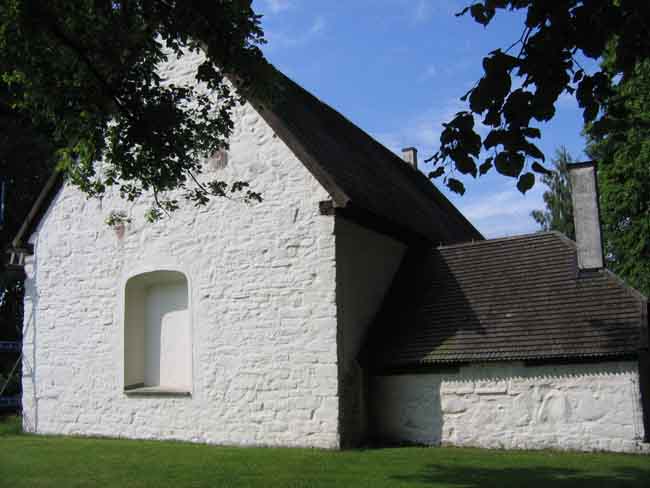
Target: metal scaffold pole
11 272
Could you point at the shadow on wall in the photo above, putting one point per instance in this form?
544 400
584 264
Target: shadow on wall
403 330
442 309
405 412
366 264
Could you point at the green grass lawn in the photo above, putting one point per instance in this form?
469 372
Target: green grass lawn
36 461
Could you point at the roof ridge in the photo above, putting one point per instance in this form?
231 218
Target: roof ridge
529 235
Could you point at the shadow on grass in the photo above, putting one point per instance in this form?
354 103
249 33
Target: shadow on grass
532 477
10 425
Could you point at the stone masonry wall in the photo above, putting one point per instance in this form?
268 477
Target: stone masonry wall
262 305
577 407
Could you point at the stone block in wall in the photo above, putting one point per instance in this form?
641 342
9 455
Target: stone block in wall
457 387
577 407
491 387
454 404
554 409
519 385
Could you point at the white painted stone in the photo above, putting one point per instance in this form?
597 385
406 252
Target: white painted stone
452 404
488 387
580 407
262 293
279 301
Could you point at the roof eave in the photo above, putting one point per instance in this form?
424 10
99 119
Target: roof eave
38 210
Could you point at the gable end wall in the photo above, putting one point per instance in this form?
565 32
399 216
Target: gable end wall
262 289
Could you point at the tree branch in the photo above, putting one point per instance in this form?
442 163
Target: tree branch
53 28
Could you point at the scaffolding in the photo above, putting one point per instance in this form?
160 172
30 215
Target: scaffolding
11 272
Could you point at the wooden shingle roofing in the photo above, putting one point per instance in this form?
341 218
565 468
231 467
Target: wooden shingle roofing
520 298
360 173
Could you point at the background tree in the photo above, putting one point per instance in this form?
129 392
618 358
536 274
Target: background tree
87 68
26 162
545 57
621 145
558 214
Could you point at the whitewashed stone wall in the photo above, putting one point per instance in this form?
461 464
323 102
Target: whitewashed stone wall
263 310
577 407
366 264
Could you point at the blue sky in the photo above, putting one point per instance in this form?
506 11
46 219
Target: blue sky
397 69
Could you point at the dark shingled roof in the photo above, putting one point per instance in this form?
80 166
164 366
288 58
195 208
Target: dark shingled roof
358 171
519 298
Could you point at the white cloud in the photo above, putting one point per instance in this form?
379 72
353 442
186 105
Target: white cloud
430 72
492 203
503 212
421 130
317 26
424 10
288 40
276 6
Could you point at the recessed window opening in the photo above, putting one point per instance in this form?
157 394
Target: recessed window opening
157 338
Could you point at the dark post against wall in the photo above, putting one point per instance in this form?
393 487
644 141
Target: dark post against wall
644 375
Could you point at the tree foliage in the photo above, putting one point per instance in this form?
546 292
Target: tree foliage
621 144
545 57
558 214
26 161
88 70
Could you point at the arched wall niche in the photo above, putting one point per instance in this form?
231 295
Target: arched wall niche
157 332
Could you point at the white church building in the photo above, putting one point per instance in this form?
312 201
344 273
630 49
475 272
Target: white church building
355 305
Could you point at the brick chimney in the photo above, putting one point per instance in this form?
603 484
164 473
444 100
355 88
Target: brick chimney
586 215
410 155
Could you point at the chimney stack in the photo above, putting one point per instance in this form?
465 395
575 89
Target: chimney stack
410 155
586 215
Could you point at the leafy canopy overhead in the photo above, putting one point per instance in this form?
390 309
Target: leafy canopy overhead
86 69
545 59
25 164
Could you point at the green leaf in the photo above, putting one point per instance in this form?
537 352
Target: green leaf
526 182
494 138
481 13
485 167
578 75
456 186
464 121
509 164
531 132
462 12
437 173
517 110
464 163
538 168
533 151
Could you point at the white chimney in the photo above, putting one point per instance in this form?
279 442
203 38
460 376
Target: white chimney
586 215
410 155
